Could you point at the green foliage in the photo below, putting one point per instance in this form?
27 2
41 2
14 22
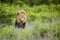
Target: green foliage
42 21
31 16
31 2
7 13
6 32
14 33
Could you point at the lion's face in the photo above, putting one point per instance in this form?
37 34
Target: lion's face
21 15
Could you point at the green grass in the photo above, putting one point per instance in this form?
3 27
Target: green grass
42 21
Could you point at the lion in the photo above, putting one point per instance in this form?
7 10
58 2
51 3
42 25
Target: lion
20 19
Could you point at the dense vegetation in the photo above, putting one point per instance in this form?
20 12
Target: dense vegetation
43 20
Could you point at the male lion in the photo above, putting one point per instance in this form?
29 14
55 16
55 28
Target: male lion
20 19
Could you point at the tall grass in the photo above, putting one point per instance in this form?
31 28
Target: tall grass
43 22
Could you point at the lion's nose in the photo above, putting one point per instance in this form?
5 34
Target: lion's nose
22 17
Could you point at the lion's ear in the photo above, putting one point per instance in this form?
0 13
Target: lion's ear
17 13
